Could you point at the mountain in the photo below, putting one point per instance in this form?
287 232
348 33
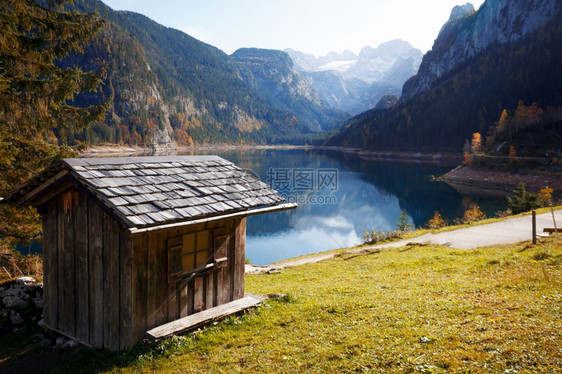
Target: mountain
271 73
331 62
387 102
355 83
382 63
481 63
169 86
467 33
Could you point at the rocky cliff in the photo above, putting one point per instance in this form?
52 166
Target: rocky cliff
464 87
271 74
469 32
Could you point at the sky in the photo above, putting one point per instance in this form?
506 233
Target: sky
311 26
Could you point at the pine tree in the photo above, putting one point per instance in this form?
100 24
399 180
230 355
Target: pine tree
403 225
522 201
36 92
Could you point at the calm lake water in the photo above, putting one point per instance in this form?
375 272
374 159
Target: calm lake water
340 196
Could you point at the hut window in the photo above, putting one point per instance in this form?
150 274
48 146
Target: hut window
188 252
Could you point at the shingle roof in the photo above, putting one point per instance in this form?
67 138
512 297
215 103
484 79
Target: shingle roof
151 191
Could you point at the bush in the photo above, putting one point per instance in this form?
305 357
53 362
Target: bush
473 214
377 236
436 222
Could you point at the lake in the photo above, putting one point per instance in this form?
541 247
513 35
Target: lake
340 196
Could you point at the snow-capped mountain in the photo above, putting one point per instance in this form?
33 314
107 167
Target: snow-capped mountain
332 61
355 83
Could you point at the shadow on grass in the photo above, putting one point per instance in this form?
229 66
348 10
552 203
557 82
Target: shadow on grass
31 350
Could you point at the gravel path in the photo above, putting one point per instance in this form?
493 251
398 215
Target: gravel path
509 231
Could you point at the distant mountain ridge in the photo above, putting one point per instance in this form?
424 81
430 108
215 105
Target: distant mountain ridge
504 56
271 73
356 83
169 86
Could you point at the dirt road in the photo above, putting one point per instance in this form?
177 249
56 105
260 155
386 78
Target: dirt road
511 230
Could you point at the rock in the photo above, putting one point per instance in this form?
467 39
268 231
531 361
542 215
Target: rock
460 11
16 318
61 340
17 294
70 343
21 302
276 295
41 340
16 301
28 281
38 301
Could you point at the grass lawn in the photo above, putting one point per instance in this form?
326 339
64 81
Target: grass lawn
417 309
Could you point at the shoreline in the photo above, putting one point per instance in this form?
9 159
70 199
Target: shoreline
468 180
417 157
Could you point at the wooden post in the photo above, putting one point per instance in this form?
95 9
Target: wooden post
534 227
552 212
547 193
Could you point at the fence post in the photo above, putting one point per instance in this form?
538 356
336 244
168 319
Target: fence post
534 227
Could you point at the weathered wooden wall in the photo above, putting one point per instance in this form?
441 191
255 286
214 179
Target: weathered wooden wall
106 289
87 273
156 301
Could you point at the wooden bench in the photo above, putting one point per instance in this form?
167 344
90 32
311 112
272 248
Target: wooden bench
550 230
204 317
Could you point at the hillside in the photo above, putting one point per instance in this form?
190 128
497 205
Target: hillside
470 96
170 86
272 74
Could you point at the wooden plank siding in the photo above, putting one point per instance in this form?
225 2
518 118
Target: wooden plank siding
239 259
111 286
50 264
81 263
96 269
156 301
105 288
140 285
87 273
125 290
67 279
221 282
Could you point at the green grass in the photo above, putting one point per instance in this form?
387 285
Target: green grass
416 309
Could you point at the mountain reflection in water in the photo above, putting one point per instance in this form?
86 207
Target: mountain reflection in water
369 195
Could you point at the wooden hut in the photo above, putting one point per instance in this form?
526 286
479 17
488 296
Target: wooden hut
139 245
